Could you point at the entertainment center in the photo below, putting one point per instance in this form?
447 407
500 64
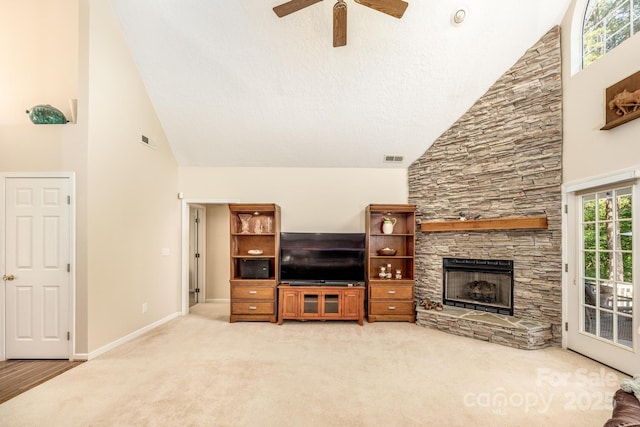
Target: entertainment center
277 276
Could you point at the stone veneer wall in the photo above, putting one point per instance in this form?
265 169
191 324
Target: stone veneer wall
503 158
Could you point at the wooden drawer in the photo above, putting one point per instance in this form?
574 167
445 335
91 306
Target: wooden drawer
253 292
252 308
390 307
391 291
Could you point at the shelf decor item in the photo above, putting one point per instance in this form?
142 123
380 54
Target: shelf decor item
46 115
387 252
387 225
622 102
244 222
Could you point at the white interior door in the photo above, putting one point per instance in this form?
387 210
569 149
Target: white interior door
37 279
602 294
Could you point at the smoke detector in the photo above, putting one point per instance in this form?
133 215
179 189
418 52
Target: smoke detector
459 15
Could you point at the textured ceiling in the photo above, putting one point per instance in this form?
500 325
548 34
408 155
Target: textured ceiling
234 85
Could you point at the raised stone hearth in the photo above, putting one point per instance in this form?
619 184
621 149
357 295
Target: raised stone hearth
507 330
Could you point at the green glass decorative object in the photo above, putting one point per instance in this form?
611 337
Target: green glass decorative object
46 115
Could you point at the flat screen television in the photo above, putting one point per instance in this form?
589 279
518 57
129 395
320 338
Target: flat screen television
322 258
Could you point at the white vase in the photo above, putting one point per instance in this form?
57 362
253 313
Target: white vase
387 226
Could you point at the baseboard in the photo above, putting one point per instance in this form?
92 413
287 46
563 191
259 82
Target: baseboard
221 300
129 337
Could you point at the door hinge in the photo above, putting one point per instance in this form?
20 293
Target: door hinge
68 336
68 200
566 209
566 268
68 268
566 326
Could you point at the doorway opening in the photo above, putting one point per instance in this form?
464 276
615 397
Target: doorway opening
602 283
205 249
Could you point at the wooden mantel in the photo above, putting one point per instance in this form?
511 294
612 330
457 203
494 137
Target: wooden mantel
524 223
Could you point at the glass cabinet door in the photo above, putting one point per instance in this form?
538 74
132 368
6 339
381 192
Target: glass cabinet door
310 305
331 304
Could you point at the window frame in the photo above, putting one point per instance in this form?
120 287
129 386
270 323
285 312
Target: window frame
633 20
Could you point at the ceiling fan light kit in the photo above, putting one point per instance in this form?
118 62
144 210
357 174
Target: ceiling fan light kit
395 8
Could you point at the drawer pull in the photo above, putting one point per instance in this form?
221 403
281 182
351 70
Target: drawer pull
253 307
391 292
392 307
252 292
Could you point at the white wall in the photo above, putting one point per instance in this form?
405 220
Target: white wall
126 206
316 200
133 210
589 151
39 52
41 55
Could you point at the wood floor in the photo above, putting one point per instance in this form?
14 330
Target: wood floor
18 376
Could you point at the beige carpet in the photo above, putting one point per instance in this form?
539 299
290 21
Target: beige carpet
200 370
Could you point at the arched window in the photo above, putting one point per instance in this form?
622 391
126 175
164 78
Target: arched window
607 23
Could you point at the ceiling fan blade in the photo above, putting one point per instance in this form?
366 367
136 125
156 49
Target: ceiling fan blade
340 24
293 6
390 7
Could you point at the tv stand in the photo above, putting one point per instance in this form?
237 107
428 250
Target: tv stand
320 303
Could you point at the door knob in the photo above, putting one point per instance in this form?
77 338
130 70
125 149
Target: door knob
8 277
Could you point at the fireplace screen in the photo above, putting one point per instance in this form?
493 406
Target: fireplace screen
477 284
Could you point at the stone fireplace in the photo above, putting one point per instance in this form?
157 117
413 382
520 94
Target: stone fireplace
478 284
501 159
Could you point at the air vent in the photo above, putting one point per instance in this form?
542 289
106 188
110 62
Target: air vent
393 159
145 140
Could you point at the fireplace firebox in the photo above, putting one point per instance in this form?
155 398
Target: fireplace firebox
485 285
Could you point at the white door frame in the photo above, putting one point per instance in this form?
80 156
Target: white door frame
570 235
72 251
185 243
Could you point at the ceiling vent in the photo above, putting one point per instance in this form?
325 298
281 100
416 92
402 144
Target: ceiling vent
393 159
145 140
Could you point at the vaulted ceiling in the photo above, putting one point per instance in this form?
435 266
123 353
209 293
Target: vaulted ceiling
235 85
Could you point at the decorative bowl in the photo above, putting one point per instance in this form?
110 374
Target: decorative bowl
387 252
255 251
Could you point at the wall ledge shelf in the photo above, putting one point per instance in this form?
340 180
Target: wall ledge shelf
622 120
523 223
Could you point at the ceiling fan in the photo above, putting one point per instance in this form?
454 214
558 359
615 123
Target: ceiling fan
394 8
